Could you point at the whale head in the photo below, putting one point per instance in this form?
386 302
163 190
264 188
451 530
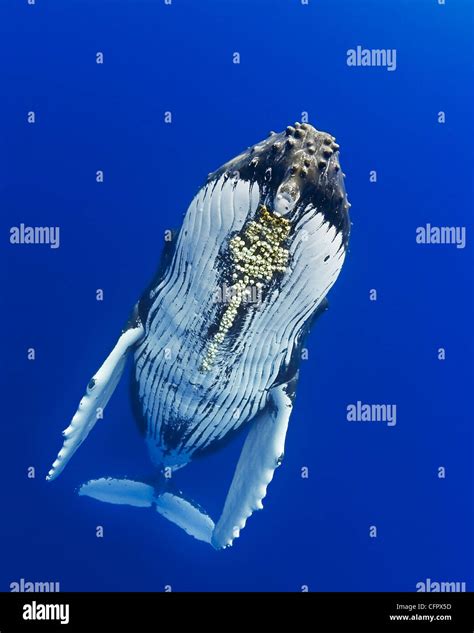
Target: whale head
296 170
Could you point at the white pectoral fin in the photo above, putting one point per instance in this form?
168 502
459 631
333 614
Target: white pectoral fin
261 455
99 390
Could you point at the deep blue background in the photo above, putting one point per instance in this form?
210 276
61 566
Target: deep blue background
312 532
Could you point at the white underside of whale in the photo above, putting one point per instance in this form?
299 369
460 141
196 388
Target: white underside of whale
168 354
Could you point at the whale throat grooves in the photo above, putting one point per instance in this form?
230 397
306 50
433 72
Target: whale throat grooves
257 254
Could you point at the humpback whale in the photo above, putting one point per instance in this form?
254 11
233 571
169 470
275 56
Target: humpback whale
272 225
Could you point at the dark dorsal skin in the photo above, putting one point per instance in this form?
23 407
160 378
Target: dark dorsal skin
300 162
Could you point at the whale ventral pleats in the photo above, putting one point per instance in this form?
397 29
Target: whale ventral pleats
255 256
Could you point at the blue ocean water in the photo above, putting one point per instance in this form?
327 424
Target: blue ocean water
314 532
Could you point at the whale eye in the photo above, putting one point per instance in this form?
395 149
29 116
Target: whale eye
91 384
283 203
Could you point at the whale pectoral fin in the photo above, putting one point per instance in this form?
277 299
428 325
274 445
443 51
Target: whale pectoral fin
173 506
99 390
261 455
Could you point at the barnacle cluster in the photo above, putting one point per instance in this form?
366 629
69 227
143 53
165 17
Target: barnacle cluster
256 255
